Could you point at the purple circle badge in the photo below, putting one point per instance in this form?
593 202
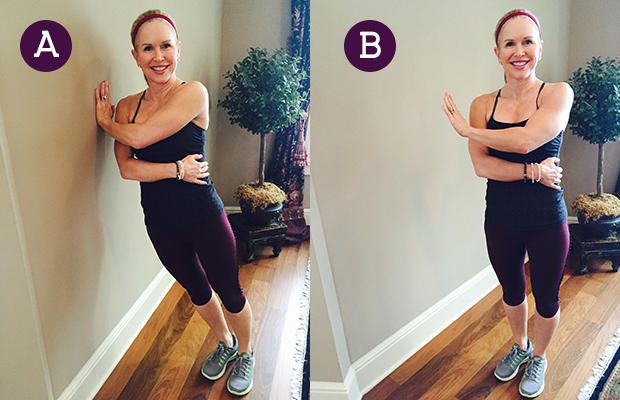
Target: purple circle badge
370 46
45 45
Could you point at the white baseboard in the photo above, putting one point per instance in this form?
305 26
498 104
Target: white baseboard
376 365
98 368
328 391
346 390
237 209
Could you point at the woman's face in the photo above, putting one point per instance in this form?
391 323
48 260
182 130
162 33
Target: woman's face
519 47
156 51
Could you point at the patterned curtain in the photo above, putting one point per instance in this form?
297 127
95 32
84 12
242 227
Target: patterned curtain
289 155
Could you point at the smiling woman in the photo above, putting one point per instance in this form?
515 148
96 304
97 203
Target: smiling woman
515 136
160 140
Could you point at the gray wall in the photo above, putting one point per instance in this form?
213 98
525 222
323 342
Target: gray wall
594 31
20 345
83 243
401 207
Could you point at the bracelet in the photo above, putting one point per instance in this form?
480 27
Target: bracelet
180 170
524 172
539 173
532 169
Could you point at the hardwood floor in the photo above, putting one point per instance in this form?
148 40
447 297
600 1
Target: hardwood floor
165 359
459 362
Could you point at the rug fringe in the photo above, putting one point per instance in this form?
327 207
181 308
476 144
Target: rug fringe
300 339
600 367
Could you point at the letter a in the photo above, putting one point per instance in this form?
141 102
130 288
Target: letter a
45 37
366 44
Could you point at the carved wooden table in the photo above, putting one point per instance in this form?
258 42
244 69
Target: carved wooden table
254 236
586 247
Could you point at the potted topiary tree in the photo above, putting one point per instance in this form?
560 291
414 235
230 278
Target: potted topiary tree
263 95
595 117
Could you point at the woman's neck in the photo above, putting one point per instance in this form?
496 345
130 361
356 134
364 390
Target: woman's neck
516 89
159 91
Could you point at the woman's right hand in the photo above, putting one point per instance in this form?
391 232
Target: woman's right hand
194 170
551 174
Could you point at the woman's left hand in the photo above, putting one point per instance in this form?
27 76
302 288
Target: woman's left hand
104 110
459 123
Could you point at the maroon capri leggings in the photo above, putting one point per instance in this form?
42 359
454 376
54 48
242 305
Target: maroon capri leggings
547 249
200 258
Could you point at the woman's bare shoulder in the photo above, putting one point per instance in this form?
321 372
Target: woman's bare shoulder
557 89
556 93
194 88
126 104
483 103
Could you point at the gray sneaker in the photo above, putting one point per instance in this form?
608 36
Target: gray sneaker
508 367
215 364
533 381
241 379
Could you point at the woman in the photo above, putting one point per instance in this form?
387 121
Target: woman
160 138
515 136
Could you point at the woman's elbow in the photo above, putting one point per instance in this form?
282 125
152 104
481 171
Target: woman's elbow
479 170
125 171
138 143
524 148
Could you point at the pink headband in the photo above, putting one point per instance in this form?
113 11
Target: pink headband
149 17
511 15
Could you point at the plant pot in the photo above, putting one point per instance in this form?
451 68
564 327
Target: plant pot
602 227
260 216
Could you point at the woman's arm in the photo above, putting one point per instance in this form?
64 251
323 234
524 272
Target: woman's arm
144 171
542 126
188 102
490 167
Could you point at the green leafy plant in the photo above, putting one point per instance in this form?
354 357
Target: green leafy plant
595 116
263 95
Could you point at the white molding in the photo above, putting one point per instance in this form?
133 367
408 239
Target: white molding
377 364
328 391
350 383
23 248
98 368
319 245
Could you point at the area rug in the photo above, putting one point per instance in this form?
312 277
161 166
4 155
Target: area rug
604 384
301 339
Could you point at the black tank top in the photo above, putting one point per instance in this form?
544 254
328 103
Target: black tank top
170 203
523 205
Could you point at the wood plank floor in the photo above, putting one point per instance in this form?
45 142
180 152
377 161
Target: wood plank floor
165 359
459 362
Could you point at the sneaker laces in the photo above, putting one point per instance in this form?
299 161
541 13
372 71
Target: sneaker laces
242 366
218 353
534 368
512 356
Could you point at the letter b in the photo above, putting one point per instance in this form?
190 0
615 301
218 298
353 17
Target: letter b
366 44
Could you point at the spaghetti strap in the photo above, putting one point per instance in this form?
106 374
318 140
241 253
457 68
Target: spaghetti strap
138 108
538 95
495 104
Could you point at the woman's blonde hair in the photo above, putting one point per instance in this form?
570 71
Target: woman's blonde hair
146 16
515 13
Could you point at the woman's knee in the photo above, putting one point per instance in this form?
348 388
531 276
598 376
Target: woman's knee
233 302
547 308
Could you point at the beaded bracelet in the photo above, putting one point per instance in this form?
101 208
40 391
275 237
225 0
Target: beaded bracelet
524 172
